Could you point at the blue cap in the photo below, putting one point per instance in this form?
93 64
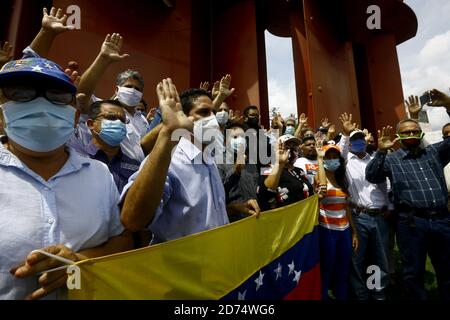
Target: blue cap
36 69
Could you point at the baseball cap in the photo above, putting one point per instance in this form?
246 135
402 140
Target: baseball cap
36 69
357 133
289 138
329 147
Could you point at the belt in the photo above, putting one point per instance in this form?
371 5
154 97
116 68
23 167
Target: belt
369 211
424 213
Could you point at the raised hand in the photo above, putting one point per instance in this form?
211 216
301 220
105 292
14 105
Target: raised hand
236 116
332 131
367 134
347 125
325 124
385 141
5 53
111 48
282 155
74 76
216 89
169 103
303 120
224 87
204 85
55 21
279 121
439 99
319 149
414 106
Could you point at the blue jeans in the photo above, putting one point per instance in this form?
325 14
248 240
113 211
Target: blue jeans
373 235
335 257
415 241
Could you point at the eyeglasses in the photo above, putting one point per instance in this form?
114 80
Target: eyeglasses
113 117
409 132
29 93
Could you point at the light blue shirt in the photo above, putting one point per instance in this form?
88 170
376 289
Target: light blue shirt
193 198
78 208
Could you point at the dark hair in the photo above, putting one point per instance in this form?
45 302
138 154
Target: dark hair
340 176
445 126
236 124
95 108
247 110
189 96
308 138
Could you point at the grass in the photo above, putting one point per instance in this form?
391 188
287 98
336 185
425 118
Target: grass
396 291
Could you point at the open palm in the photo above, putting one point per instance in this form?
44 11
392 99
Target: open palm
170 106
111 47
55 21
385 141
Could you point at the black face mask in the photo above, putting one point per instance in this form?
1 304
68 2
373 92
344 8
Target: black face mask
253 123
370 148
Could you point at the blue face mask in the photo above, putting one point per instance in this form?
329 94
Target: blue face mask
358 146
289 130
39 125
332 164
113 132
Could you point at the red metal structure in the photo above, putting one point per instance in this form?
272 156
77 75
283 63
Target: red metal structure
340 65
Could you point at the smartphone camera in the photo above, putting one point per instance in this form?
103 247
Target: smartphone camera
426 98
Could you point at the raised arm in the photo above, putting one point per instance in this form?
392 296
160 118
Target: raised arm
348 126
224 91
414 107
5 53
109 53
273 180
144 196
302 123
375 170
53 24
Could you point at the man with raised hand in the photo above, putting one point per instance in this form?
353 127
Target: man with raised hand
420 198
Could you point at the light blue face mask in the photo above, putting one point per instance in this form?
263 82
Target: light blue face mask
39 125
238 144
331 164
113 132
289 130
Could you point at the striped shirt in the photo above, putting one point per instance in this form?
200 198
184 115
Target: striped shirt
333 213
417 180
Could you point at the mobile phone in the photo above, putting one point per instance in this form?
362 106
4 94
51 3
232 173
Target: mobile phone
427 97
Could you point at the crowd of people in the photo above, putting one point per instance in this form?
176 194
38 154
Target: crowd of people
84 177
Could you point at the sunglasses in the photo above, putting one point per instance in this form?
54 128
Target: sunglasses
28 93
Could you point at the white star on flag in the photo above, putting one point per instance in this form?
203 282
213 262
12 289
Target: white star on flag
297 276
291 267
259 281
37 68
47 65
241 296
278 271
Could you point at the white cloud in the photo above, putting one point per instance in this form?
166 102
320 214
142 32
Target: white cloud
280 74
282 97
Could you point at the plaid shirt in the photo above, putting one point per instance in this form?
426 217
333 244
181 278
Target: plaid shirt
417 180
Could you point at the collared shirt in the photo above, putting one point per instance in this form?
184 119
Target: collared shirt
81 142
121 167
417 180
78 208
137 124
193 199
362 192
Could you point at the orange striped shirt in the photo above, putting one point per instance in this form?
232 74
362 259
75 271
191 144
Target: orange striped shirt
333 213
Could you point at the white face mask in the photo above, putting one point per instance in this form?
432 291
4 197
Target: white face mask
129 96
222 117
206 130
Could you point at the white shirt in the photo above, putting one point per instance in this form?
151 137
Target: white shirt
362 192
193 198
137 124
311 167
78 208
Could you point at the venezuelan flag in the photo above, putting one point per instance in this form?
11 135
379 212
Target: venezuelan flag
273 257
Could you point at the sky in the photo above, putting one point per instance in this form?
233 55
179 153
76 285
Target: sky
424 60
